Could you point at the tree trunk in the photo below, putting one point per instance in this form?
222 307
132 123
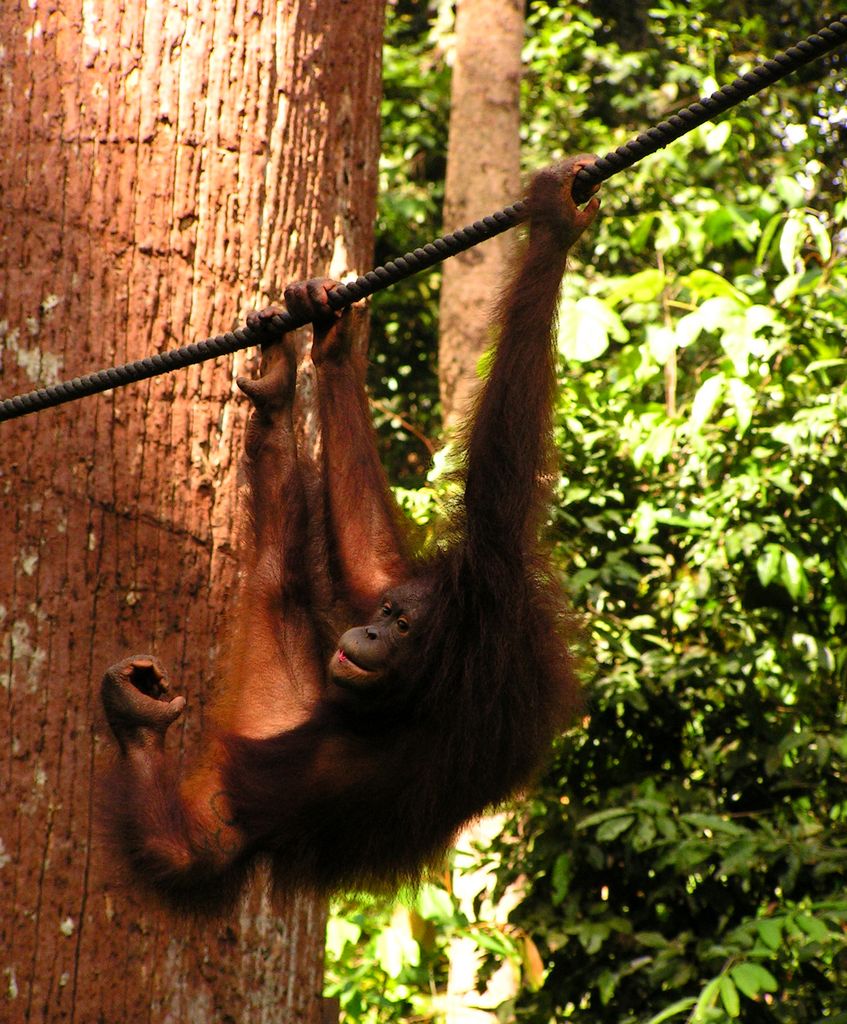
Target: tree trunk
165 169
483 174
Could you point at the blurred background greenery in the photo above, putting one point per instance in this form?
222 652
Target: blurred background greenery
685 856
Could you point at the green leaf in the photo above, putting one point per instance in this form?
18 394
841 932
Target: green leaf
610 830
716 136
395 947
669 234
435 904
707 397
644 286
793 576
790 242
560 879
585 327
707 1000
729 996
743 399
768 563
607 982
747 978
767 237
706 284
644 835
339 933
767 982
790 191
495 942
787 288
714 823
661 342
814 928
592 936
600 816
674 1010
841 556
821 236
638 238
770 931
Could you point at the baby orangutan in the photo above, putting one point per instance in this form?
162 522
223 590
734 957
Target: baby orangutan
352 760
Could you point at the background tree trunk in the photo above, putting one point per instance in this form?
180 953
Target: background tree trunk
483 173
165 168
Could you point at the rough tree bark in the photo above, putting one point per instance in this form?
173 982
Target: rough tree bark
483 173
165 168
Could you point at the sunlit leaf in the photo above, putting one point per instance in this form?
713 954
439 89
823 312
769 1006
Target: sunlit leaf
657 445
661 342
787 288
585 327
495 941
706 284
688 328
340 932
434 903
793 575
743 399
395 947
716 136
767 564
533 965
669 234
790 241
705 401
821 236
644 286
790 191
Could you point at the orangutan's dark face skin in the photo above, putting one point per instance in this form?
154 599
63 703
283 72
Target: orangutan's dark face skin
370 654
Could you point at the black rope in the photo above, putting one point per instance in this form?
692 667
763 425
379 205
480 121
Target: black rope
705 109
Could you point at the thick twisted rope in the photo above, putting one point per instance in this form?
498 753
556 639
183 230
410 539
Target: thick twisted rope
705 109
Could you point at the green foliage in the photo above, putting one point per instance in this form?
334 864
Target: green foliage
388 960
404 330
701 522
385 958
684 858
